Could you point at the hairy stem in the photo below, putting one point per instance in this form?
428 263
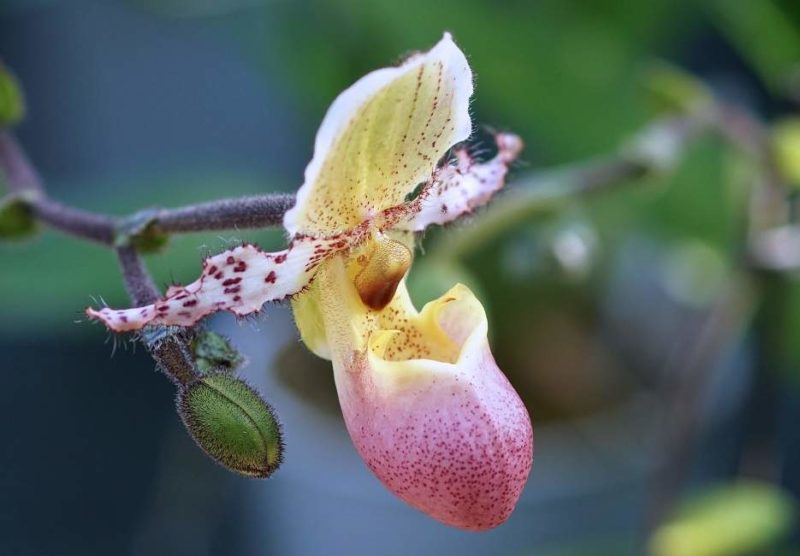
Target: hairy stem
258 211
75 222
20 175
171 350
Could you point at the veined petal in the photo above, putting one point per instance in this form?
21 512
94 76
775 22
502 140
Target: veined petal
458 189
425 404
239 280
381 138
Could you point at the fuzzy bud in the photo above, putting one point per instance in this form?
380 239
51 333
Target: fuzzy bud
231 422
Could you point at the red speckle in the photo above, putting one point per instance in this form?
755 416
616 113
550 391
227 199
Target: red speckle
190 303
231 281
234 289
230 260
280 259
271 277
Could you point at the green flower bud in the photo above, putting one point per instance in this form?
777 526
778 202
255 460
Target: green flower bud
213 351
231 422
12 102
16 219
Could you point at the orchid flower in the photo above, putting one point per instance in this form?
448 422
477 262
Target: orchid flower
427 407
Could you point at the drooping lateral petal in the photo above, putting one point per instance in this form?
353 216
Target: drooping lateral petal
381 138
457 189
239 280
427 407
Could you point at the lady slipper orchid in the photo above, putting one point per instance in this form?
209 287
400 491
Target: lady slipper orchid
428 409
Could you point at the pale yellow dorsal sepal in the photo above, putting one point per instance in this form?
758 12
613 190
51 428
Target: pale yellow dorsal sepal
381 138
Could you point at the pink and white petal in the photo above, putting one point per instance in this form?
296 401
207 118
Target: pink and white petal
382 137
451 438
239 280
426 405
460 188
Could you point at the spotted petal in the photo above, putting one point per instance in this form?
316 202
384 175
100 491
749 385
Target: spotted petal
458 189
240 280
381 138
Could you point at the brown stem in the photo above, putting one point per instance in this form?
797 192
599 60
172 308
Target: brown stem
259 211
170 350
75 222
19 173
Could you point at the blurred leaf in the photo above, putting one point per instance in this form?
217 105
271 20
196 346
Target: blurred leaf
737 519
16 219
670 89
764 34
786 149
12 101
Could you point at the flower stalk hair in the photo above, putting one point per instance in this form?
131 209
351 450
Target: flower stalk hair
426 405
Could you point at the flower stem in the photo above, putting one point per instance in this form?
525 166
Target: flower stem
170 351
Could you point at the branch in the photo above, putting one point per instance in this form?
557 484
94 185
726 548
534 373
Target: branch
19 173
75 222
169 348
259 211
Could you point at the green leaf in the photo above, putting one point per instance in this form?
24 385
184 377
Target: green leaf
671 90
12 102
786 149
742 518
213 351
141 231
16 219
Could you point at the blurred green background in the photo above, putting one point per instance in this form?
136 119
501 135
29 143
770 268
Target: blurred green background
596 307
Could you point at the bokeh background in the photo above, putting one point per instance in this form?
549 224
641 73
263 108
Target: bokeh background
601 309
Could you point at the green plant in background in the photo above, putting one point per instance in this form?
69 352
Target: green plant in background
737 519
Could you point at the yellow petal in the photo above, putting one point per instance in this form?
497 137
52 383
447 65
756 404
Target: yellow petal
381 138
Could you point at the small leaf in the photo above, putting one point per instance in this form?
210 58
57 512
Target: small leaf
16 219
213 351
744 518
141 231
672 90
786 149
12 102
234 426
